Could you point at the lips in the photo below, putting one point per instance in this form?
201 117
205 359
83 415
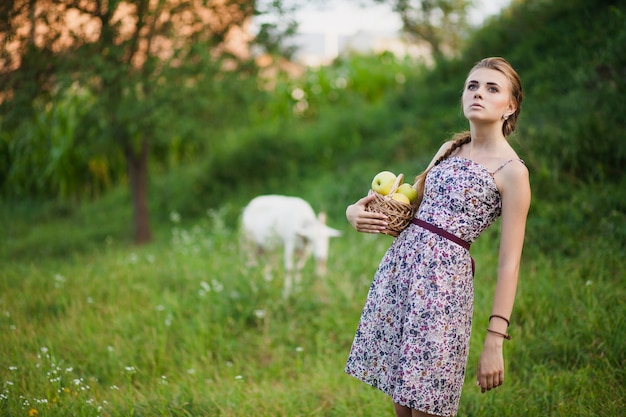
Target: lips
476 106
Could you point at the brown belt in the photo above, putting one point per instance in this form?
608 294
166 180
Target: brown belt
441 232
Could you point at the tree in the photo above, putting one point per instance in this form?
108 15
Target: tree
151 64
442 24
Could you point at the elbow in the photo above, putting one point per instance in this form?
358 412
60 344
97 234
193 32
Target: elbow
508 271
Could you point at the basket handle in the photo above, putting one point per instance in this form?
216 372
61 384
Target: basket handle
395 185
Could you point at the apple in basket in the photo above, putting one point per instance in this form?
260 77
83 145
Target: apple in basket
392 197
407 190
383 182
400 197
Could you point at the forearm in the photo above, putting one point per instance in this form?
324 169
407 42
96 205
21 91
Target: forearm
491 364
504 297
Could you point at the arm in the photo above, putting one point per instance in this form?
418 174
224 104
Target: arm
515 190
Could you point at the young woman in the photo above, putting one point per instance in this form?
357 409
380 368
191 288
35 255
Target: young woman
412 341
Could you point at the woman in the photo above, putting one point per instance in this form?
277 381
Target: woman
413 337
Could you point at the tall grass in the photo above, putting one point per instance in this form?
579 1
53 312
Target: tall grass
182 327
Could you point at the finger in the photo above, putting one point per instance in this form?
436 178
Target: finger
367 199
372 229
479 381
489 386
375 222
375 217
498 378
482 382
490 383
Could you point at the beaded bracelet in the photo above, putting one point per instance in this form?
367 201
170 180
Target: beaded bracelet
505 335
508 323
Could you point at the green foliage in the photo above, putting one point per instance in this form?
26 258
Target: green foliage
350 80
171 89
50 154
565 225
323 122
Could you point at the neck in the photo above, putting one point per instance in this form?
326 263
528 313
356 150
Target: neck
485 141
486 135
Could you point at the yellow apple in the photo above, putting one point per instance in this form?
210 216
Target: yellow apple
383 181
400 197
408 190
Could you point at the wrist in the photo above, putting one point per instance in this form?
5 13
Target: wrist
496 333
493 341
498 326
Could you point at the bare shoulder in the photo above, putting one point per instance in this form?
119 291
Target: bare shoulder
508 164
513 176
515 167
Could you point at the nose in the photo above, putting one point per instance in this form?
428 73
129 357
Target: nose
477 94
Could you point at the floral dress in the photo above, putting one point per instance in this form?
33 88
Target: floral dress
412 341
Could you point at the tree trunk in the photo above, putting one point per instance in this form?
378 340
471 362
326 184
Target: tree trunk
137 162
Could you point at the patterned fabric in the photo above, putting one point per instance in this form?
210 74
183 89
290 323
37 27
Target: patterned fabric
412 341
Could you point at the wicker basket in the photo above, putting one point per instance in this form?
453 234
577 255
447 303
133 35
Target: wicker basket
400 214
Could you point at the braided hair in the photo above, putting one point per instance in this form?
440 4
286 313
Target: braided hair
508 126
458 140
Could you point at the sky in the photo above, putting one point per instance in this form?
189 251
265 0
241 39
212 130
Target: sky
345 17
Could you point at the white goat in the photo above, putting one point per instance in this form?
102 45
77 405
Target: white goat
271 221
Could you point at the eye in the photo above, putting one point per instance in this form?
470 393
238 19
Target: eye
472 87
493 89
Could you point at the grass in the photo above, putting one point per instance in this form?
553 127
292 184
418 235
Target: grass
182 327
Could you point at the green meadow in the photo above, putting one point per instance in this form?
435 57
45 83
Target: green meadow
182 327
92 324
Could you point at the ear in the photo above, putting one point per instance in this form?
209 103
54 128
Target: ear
333 232
510 109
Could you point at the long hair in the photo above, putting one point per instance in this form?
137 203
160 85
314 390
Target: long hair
508 127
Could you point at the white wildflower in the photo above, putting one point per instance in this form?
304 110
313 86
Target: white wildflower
175 217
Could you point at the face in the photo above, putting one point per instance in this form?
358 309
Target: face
487 96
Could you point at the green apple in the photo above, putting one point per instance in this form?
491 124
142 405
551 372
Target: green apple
408 190
400 197
383 181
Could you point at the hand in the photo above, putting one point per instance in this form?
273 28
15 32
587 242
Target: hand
365 221
491 364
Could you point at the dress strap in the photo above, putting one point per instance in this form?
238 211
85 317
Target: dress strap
506 163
